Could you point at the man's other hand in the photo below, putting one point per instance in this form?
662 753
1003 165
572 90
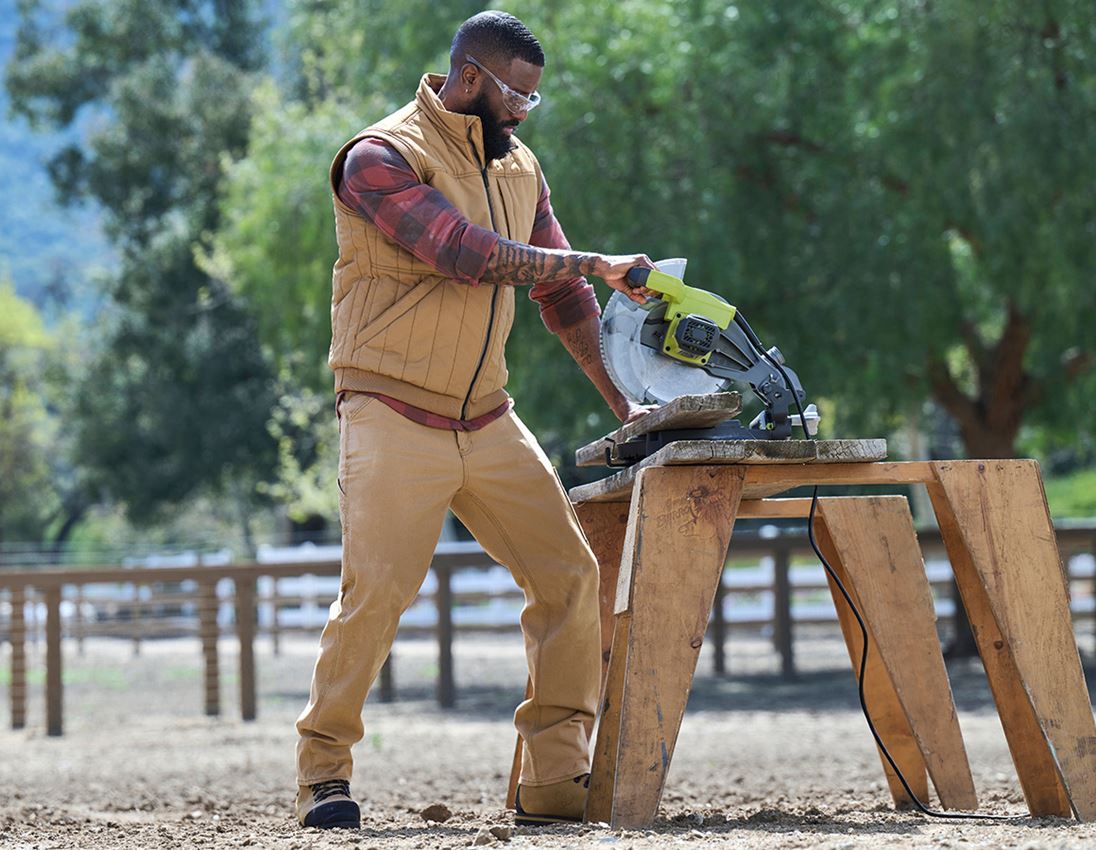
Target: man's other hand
630 411
613 269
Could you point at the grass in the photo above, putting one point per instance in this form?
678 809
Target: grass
1072 496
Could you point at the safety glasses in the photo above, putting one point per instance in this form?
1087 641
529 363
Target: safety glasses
515 101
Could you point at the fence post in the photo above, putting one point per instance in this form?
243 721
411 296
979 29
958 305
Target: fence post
54 698
245 629
18 638
719 630
135 626
388 688
209 632
275 630
447 695
782 609
78 620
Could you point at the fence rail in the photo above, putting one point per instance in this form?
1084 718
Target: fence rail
140 603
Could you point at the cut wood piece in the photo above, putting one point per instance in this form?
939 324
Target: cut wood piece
603 525
789 463
599 803
679 527
687 411
995 522
875 546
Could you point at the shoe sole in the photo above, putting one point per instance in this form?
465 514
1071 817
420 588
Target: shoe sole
526 819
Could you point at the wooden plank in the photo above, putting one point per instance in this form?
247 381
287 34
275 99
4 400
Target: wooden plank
879 694
18 635
682 518
789 463
687 411
1021 619
774 508
209 632
877 547
245 630
54 695
1039 780
599 803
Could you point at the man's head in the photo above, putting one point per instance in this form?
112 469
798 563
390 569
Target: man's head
495 64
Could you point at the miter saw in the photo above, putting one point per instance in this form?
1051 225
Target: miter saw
686 341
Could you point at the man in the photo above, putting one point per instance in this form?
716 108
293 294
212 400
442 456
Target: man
440 213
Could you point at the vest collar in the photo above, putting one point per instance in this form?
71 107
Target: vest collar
463 130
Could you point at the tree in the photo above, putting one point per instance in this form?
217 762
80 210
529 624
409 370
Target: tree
895 193
27 497
178 394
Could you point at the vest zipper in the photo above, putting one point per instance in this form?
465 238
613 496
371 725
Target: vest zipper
494 298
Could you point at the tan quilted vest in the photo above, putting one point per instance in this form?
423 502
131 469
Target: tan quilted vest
397 326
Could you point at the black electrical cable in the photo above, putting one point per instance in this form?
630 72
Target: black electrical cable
856 613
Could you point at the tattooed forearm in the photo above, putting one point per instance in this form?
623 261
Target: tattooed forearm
582 341
518 263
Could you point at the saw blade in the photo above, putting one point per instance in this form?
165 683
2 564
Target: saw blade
643 374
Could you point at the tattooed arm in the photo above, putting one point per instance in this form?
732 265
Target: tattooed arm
517 263
581 340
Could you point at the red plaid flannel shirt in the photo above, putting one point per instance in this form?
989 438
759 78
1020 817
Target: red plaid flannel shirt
377 182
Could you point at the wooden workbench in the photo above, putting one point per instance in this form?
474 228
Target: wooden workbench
661 532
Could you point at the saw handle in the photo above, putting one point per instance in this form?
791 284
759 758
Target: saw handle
637 276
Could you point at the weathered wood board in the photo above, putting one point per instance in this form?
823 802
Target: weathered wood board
618 487
680 516
1000 539
687 411
873 547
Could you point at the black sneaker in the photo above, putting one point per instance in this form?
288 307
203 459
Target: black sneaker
328 805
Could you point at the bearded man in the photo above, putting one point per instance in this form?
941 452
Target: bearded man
440 214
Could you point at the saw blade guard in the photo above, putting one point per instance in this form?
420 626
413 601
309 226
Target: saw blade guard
641 373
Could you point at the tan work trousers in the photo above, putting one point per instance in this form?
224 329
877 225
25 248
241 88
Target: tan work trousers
397 480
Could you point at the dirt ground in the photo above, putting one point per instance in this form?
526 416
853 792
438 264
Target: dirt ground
760 762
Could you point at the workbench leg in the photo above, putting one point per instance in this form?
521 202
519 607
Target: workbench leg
604 524
675 547
871 545
1001 543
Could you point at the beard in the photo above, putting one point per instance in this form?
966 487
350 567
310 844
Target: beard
496 144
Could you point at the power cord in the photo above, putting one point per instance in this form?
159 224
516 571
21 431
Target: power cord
922 807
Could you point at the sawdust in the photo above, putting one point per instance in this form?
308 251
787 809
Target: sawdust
761 763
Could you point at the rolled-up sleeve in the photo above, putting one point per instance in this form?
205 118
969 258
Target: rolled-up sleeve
567 301
379 183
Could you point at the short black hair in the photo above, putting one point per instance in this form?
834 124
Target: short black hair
495 38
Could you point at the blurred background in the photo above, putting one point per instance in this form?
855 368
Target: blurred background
898 193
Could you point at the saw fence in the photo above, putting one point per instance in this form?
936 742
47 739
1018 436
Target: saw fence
661 531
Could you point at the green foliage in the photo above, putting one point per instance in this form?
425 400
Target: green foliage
177 395
307 434
897 194
1072 495
275 245
27 497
